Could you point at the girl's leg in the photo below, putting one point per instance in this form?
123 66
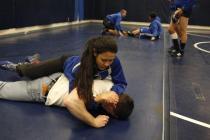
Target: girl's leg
174 36
183 23
44 68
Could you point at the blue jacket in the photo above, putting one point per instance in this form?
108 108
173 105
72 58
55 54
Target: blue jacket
155 27
186 5
115 19
72 64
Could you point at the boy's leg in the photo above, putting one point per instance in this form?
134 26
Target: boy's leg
145 33
15 91
144 30
26 90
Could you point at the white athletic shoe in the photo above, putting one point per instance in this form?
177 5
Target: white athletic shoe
153 38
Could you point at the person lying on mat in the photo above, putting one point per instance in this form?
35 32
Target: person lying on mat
112 24
54 90
98 61
152 32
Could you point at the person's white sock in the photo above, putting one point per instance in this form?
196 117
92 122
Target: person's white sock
174 36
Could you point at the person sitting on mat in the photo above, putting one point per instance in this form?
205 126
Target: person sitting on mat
112 24
152 32
98 61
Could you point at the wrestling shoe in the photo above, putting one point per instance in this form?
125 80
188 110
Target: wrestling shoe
153 38
172 50
7 65
177 54
33 59
10 66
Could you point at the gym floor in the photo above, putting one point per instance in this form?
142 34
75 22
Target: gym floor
149 72
190 91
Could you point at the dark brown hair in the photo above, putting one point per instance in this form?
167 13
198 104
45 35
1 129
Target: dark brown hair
124 107
153 15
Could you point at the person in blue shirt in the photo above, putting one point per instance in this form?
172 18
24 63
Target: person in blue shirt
98 61
152 32
112 23
181 12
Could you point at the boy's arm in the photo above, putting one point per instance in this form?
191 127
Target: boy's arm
78 109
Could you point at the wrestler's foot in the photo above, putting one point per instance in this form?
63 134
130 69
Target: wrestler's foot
7 65
178 54
33 59
172 50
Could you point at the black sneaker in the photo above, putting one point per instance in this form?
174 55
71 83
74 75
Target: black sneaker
33 59
177 54
172 50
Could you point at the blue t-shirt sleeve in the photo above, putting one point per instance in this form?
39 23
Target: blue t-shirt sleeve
118 77
116 19
117 24
70 70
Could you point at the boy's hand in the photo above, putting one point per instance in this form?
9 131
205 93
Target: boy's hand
109 97
101 121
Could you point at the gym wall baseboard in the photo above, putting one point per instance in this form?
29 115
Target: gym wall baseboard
26 30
